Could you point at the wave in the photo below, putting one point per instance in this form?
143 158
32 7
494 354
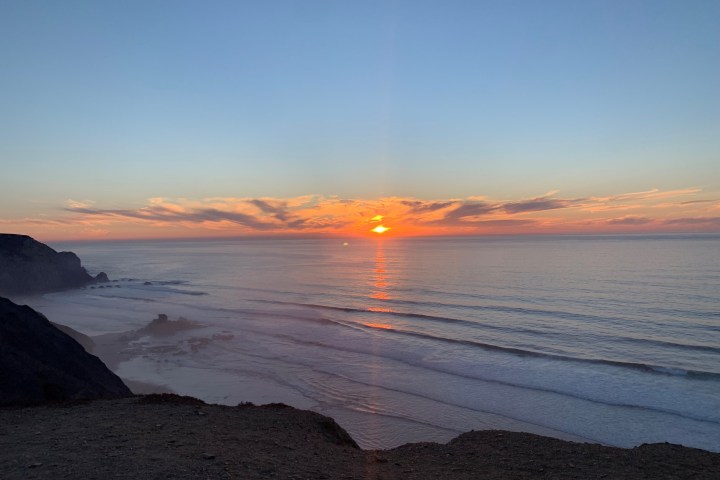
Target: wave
432 398
161 287
582 317
667 343
586 318
691 319
645 367
137 299
522 352
423 316
449 371
475 324
659 369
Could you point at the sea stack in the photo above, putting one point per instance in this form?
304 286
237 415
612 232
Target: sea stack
28 267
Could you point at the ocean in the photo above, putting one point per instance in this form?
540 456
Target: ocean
609 339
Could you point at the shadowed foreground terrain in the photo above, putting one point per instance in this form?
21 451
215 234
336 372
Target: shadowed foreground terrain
166 436
40 363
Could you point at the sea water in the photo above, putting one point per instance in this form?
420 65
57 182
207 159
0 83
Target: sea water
610 339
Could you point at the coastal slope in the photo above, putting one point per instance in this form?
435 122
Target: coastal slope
166 436
39 363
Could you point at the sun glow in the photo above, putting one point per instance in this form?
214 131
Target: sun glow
380 229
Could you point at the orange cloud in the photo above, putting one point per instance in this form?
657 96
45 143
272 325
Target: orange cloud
652 210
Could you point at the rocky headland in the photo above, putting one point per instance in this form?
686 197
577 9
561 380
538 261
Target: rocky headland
28 267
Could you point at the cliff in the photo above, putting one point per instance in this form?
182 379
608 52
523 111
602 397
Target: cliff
39 363
28 267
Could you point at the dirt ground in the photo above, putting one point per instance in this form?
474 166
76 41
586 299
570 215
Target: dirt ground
171 437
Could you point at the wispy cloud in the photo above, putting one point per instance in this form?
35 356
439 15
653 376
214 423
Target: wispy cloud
163 214
468 212
31 221
708 221
423 206
78 203
630 220
655 194
540 204
691 202
316 214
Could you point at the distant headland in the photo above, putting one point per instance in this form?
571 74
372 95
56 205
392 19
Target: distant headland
28 267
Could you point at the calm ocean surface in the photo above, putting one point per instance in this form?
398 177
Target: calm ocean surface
612 339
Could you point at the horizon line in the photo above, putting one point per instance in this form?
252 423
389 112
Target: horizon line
338 236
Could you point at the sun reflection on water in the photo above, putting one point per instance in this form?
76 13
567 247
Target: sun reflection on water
383 326
380 280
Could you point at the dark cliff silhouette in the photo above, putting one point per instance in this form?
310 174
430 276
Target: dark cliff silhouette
39 363
28 267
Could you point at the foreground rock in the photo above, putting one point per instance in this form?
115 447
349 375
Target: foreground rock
166 436
39 363
28 267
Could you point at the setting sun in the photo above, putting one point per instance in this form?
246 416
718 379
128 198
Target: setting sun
380 229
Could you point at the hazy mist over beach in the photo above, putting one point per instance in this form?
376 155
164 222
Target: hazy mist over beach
417 217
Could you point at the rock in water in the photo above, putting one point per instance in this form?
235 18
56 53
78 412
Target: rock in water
29 267
39 363
102 278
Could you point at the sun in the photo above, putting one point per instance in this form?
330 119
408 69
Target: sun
380 229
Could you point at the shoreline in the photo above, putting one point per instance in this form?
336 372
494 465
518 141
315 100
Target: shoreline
111 349
114 349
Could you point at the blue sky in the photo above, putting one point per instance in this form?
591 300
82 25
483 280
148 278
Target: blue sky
118 102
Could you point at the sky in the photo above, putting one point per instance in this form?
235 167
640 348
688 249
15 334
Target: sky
162 119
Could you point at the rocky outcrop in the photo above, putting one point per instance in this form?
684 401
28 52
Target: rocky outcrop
39 363
164 326
29 267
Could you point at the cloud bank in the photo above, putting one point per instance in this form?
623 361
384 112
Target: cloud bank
647 211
